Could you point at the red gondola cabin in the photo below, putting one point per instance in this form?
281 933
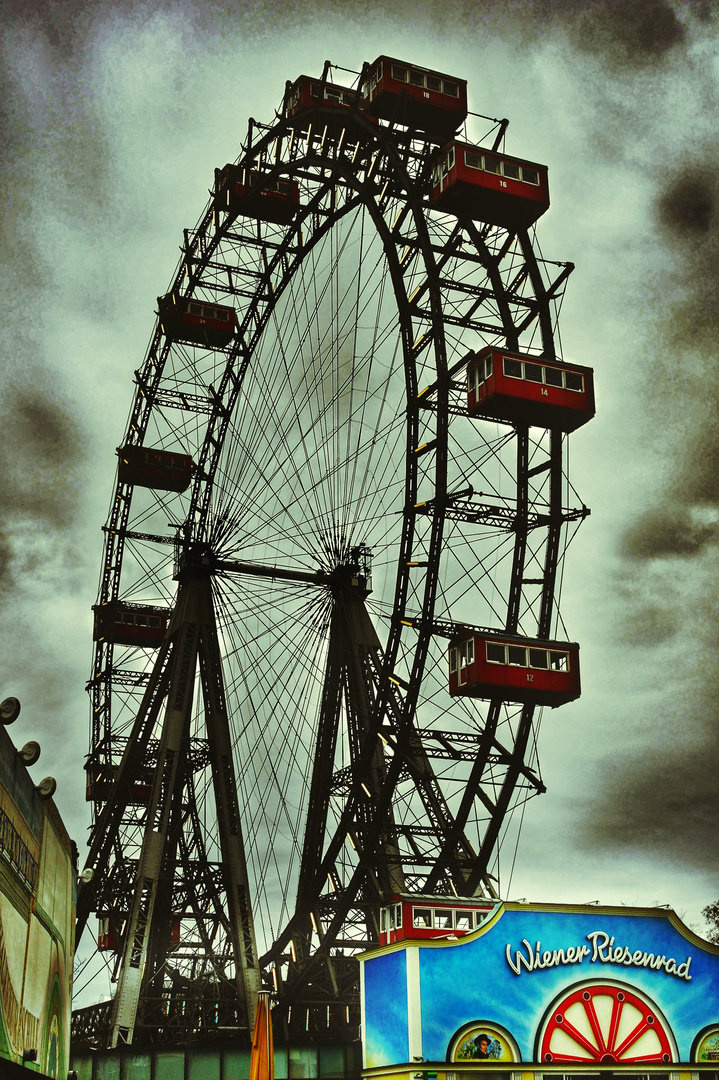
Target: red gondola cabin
107 935
533 672
110 935
239 191
412 916
489 186
131 624
100 780
158 469
196 322
525 389
305 95
416 97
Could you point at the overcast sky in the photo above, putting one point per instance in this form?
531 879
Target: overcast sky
114 117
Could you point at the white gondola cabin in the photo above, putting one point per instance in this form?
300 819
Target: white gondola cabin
526 670
525 389
490 186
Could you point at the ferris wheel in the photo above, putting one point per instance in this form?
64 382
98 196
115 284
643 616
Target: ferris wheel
327 614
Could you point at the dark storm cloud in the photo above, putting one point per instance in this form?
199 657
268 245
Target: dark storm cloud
666 531
646 624
40 454
687 206
52 132
42 469
682 392
62 21
688 223
53 179
664 801
627 32
40 450
635 31
657 789
686 517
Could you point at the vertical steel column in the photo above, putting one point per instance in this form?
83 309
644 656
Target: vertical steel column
554 533
193 634
137 969
520 531
234 866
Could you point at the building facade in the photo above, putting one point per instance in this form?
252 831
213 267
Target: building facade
37 922
542 991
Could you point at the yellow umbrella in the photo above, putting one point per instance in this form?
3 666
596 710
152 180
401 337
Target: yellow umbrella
262 1059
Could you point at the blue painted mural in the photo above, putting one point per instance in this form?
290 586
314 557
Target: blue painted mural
385 1015
551 984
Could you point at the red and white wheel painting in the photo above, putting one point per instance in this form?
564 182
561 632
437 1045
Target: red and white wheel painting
603 1022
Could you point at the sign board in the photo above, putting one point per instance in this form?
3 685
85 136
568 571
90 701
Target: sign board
558 986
